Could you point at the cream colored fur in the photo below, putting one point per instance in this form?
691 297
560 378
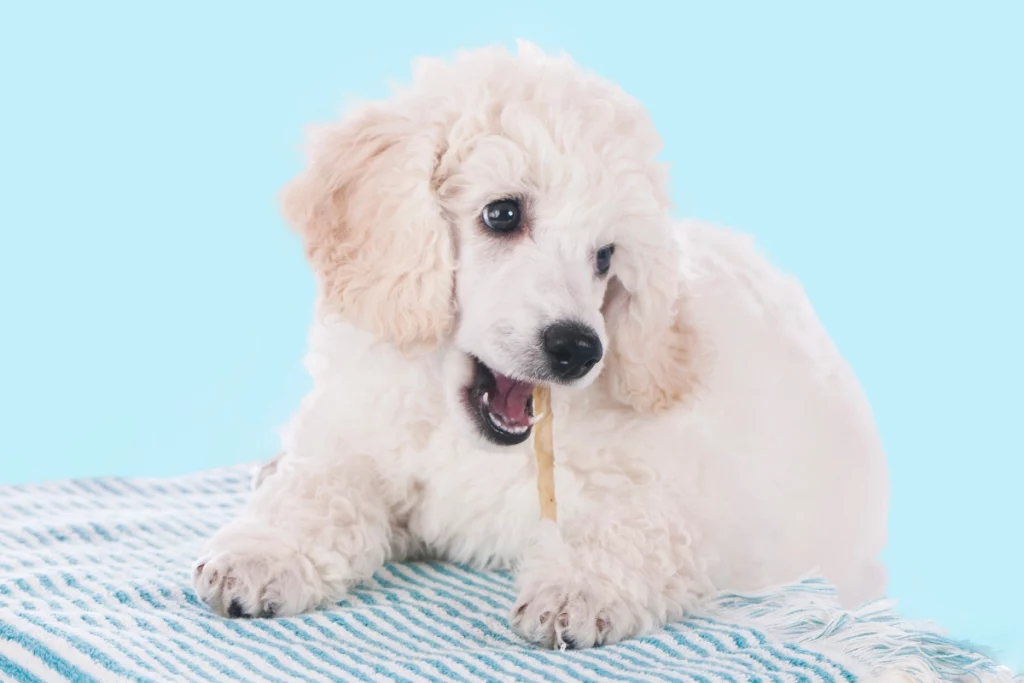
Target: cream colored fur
722 442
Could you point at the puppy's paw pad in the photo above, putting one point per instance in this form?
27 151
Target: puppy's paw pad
570 635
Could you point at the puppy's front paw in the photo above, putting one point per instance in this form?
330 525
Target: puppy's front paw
246 574
578 589
561 615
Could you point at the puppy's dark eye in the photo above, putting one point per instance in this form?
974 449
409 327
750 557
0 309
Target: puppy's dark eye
502 216
603 259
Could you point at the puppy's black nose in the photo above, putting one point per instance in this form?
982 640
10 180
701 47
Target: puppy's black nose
572 349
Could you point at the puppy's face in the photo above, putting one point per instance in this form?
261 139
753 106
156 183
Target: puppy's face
508 210
540 228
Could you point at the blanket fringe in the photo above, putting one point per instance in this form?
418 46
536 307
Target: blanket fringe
883 646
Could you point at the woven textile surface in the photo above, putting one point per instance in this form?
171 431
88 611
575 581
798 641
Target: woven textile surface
95 585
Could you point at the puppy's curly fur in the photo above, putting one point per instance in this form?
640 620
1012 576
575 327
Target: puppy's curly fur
720 443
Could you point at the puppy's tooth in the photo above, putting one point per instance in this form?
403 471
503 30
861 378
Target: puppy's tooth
486 399
537 418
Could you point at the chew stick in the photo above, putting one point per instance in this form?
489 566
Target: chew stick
543 448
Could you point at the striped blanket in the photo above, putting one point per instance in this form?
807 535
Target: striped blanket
94 586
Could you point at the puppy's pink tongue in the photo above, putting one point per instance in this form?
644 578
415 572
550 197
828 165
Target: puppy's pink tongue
510 400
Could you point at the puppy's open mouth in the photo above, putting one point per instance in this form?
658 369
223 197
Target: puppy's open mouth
502 407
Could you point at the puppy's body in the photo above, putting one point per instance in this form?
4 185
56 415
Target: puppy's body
756 461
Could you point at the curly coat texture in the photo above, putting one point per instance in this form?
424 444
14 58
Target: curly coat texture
721 443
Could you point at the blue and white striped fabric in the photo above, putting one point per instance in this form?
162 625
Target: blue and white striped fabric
94 585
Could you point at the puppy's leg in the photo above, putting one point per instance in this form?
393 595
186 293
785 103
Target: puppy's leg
310 531
620 567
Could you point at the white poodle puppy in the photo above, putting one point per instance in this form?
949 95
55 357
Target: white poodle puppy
505 223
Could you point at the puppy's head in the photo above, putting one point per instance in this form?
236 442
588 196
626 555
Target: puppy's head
510 209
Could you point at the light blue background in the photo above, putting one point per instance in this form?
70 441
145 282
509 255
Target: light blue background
154 306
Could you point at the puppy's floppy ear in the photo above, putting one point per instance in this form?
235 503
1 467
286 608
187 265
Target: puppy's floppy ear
653 361
372 227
